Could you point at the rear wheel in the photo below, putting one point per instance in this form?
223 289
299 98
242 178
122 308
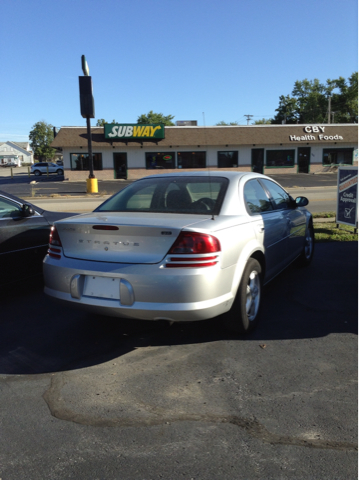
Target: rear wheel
308 249
244 314
37 173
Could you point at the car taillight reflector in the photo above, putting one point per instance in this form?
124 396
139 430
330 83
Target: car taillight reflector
191 265
194 259
54 237
54 252
197 243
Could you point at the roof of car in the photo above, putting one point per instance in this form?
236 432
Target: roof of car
209 173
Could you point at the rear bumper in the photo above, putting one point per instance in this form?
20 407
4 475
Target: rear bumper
176 312
147 292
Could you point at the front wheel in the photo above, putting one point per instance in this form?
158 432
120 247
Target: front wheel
244 314
59 172
308 249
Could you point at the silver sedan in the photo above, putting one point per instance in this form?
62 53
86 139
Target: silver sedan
180 247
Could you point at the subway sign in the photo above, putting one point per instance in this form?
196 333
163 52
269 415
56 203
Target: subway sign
134 131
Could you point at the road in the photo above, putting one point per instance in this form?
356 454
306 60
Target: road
321 199
89 397
320 189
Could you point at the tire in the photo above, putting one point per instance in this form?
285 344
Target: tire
37 173
244 314
306 256
59 172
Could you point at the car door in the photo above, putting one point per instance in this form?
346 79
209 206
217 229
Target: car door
23 241
294 220
269 226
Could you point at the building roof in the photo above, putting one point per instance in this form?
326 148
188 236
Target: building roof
22 145
254 135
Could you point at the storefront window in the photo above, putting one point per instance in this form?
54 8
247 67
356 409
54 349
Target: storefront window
80 161
338 156
160 160
191 159
227 159
280 158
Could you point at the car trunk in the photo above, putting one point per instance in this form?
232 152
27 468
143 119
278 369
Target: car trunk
122 237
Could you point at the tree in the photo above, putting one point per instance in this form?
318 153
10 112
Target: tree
41 136
263 121
101 122
223 123
309 102
152 117
344 105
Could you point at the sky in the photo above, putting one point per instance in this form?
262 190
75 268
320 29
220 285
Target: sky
204 60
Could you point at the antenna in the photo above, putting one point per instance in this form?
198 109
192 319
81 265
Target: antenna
209 171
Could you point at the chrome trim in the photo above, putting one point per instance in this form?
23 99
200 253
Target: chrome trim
23 249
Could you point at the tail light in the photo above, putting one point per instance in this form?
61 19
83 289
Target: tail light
200 245
54 242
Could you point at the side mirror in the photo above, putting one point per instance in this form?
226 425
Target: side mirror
301 201
27 210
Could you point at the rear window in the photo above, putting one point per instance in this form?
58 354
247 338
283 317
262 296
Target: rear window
195 195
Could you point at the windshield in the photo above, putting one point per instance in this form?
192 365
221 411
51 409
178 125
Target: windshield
195 195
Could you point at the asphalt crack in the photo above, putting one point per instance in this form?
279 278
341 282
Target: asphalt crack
61 410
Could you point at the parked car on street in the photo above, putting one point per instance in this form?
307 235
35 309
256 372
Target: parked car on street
24 236
180 247
9 164
44 167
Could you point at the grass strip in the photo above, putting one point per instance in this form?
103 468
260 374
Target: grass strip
328 232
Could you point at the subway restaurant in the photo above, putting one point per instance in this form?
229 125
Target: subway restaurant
131 151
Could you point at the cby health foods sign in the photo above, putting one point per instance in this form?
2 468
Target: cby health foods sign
131 131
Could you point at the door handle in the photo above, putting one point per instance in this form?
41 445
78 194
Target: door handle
260 228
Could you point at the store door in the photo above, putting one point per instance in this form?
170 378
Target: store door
257 160
303 159
120 165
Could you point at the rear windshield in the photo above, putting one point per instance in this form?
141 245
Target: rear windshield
195 195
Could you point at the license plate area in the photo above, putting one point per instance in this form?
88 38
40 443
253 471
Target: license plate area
102 287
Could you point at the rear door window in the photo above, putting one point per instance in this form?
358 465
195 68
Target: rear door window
256 198
279 196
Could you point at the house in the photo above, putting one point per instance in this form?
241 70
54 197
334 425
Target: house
15 152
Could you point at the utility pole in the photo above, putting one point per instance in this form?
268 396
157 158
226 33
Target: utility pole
248 118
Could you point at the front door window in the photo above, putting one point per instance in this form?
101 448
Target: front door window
120 165
257 160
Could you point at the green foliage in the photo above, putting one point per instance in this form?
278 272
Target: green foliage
324 215
328 232
41 137
222 123
152 117
263 121
308 102
101 122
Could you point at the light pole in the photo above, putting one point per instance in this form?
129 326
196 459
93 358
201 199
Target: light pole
87 105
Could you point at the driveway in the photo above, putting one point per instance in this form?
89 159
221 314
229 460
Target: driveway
89 397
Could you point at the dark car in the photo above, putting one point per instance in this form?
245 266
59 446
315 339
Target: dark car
24 237
9 164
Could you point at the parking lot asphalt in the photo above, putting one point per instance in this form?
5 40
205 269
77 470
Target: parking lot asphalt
84 396
22 185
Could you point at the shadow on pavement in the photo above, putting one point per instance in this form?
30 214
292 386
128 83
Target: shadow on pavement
38 335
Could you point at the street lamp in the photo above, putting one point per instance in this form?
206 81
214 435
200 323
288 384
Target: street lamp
87 106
